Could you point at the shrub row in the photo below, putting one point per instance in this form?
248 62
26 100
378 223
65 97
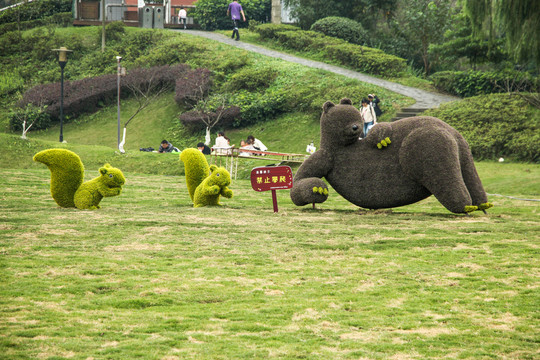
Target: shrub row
361 58
61 19
269 31
495 125
87 95
472 83
35 10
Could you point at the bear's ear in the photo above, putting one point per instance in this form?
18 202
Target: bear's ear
345 101
103 170
213 168
327 105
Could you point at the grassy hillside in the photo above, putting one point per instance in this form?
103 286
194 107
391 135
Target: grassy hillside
293 99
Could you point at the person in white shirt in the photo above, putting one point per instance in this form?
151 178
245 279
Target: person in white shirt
368 114
182 16
222 144
257 144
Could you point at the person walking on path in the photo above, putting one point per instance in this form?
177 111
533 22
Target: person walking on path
182 16
235 9
374 102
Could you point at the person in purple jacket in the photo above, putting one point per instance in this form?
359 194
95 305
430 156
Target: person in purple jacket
235 9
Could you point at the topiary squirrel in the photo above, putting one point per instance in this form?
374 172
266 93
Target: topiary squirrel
205 183
67 174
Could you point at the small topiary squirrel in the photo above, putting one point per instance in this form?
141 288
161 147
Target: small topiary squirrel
205 183
67 174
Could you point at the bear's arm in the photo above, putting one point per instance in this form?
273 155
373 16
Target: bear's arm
317 165
380 135
308 187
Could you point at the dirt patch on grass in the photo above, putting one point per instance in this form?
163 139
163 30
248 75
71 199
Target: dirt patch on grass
134 247
428 332
308 314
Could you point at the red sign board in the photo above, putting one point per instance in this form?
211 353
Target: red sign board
271 178
266 178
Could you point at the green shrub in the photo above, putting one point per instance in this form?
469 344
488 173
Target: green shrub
60 19
368 60
269 31
495 125
114 31
251 78
342 28
302 40
472 83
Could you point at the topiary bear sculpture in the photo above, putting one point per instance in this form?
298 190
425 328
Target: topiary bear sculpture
397 164
67 174
205 183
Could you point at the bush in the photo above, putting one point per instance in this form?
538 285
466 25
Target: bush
193 120
342 28
210 14
472 83
192 87
114 32
495 125
251 78
303 40
269 31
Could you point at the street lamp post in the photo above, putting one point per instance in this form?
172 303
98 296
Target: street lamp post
62 61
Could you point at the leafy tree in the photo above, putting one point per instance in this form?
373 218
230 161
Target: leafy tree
459 42
517 20
367 12
422 23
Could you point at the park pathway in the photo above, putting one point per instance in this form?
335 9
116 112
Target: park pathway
424 99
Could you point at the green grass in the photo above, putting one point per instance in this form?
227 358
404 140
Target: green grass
150 277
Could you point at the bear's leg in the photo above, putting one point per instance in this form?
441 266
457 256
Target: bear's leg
471 178
432 158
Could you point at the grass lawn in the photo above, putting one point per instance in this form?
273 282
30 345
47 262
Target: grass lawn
149 277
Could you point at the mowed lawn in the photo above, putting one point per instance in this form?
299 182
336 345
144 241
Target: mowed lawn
149 277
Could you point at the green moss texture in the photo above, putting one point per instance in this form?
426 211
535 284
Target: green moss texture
67 174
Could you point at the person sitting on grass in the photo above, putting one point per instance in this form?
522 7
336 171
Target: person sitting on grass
203 148
167 147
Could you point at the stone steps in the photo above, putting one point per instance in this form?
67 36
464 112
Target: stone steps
408 112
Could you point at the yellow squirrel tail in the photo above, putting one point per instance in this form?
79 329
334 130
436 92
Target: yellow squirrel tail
67 174
196 168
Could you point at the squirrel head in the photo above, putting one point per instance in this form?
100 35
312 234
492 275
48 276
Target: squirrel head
111 176
219 176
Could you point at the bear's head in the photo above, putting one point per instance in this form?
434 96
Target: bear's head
341 124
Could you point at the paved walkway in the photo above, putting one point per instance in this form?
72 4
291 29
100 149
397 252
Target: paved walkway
424 99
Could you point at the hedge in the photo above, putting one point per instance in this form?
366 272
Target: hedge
269 31
192 86
496 125
34 10
472 83
61 19
361 58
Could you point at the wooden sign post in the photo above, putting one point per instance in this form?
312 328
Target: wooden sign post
272 178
